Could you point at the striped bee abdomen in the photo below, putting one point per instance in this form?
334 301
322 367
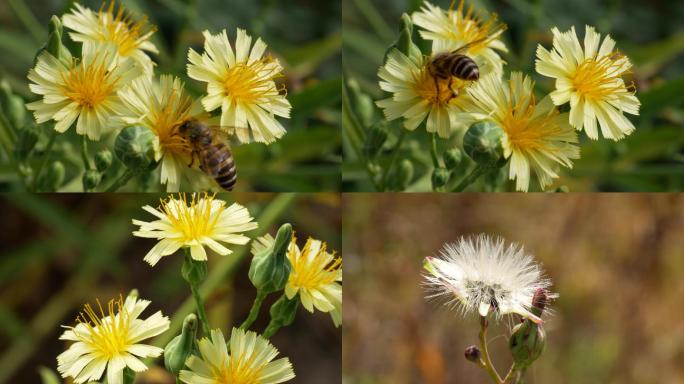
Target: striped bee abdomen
463 67
218 163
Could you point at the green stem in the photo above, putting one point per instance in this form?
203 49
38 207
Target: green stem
485 352
84 153
510 374
200 309
478 171
395 155
433 151
121 181
254 311
271 329
46 157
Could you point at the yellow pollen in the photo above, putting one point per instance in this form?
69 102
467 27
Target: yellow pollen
106 333
166 121
247 83
435 90
193 221
88 85
239 370
472 28
122 30
522 131
597 79
312 273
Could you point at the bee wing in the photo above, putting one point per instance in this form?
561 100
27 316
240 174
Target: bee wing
224 134
465 47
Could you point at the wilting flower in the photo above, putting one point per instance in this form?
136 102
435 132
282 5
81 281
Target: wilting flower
85 90
110 341
417 94
591 79
162 106
115 28
241 83
452 29
202 221
249 361
536 136
316 276
481 274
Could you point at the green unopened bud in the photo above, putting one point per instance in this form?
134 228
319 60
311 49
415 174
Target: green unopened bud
12 105
483 143
182 346
283 311
91 179
404 42
134 146
193 271
404 174
363 103
528 338
48 376
270 267
440 176
54 45
453 158
103 160
53 178
27 138
375 138
473 354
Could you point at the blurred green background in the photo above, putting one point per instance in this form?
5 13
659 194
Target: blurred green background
650 33
615 259
62 251
304 34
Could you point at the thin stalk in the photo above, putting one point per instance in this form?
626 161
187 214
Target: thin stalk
433 151
46 157
200 309
270 330
254 311
395 154
121 181
485 352
470 178
509 376
84 153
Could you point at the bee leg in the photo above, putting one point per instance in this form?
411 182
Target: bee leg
192 158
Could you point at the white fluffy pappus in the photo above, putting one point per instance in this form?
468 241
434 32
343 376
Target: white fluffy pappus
483 274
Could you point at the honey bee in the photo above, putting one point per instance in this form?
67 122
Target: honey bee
214 155
447 65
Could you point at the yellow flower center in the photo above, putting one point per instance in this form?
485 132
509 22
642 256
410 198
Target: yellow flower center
175 110
470 28
193 221
522 131
105 333
89 84
122 30
596 79
436 90
247 83
239 370
312 272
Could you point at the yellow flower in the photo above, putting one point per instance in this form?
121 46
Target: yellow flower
130 37
417 95
203 222
162 106
241 83
316 276
85 90
110 341
536 136
452 29
591 79
250 361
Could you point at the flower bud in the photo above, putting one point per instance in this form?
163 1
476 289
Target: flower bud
182 346
91 179
48 376
473 354
54 45
404 174
375 138
270 267
53 178
27 137
134 146
453 158
440 176
363 103
283 311
103 159
404 42
13 106
526 343
193 271
483 143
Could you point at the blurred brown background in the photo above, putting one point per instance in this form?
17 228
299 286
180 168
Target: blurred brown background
615 259
58 252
